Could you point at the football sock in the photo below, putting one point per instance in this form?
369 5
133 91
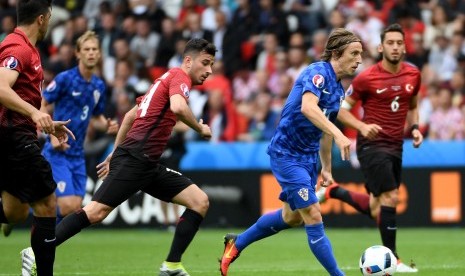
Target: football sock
321 248
359 201
186 229
267 225
2 214
71 225
387 226
43 243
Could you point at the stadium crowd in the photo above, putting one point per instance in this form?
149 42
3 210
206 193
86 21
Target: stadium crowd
263 46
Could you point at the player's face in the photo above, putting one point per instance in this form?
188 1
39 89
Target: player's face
350 59
201 67
89 54
393 47
44 20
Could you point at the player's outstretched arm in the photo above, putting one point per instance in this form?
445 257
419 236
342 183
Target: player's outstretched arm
369 131
312 112
10 99
179 107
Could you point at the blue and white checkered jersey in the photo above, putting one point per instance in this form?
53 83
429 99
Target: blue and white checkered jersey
295 135
77 99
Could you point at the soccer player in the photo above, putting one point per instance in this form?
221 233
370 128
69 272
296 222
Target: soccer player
79 94
26 176
304 134
140 141
388 92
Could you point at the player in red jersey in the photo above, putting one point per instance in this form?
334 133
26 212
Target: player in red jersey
140 141
26 177
388 93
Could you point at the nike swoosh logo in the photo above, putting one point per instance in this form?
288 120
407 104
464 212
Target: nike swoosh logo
74 93
228 254
326 91
379 91
37 67
317 240
47 240
391 228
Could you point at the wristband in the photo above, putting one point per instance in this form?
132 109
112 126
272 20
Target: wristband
414 126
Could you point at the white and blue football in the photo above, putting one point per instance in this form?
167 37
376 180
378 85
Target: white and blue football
378 260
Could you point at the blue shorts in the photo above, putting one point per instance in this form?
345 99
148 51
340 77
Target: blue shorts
69 173
297 179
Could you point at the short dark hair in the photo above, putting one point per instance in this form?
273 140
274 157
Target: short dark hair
392 28
198 45
28 10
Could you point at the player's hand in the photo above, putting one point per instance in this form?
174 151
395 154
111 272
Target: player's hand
62 132
57 145
327 178
343 143
370 131
205 130
417 138
104 168
43 122
112 126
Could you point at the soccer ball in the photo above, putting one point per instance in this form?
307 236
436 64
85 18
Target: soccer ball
378 260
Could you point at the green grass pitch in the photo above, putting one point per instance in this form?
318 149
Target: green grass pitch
140 252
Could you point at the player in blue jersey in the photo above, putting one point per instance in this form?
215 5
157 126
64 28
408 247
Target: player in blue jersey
79 95
305 132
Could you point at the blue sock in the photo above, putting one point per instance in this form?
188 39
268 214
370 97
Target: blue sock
321 248
267 225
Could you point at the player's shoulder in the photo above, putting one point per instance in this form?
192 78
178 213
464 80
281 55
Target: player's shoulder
408 66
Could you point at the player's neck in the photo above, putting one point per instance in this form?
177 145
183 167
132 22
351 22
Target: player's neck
390 67
30 32
86 73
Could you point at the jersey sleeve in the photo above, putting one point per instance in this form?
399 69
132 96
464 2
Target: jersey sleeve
56 89
179 84
313 81
15 58
100 105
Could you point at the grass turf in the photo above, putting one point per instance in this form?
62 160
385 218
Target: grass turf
140 252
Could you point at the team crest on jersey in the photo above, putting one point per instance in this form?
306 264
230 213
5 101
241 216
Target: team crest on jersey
318 80
61 186
409 87
10 62
185 90
51 86
303 193
349 90
96 96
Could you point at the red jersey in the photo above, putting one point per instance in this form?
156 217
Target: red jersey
17 53
385 100
154 122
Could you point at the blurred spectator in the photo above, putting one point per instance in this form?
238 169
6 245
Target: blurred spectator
122 52
266 57
447 122
310 13
318 44
209 15
365 26
216 116
167 45
411 25
272 19
441 59
129 28
145 44
247 83
439 26
263 119
63 60
285 83
8 25
194 29
188 7
107 33
219 33
297 60
176 59
281 66
453 8
337 19
418 54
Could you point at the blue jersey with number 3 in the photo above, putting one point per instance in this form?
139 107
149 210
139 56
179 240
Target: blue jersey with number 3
296 135
77 99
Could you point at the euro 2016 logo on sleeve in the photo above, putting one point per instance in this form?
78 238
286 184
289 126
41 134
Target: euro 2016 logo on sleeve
10 62
318 80
185 90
